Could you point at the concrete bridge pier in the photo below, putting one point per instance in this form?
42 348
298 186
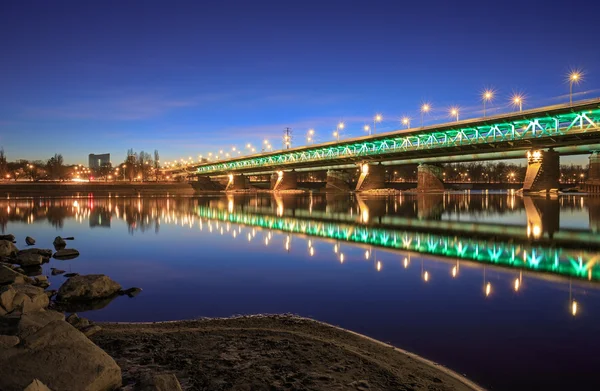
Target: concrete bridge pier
337 180
372 176
284 180
543 171
237 182
592 184
430 178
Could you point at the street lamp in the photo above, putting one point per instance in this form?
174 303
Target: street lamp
309 135
517 101
339 127
367 128
487 96
424 109
377 118
406 121
574 78
454 112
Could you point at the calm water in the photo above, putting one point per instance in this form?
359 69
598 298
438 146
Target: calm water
502 288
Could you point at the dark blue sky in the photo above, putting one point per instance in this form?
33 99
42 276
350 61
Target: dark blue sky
189 77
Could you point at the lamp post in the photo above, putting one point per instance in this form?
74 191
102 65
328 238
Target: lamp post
367 128
487 96
517 101
424 109
339 127
377 118
309 135
454 112
574 78
406 121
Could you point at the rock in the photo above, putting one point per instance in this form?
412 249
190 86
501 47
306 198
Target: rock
9 276
90 330
7 248
51 293
32 271
131 292
83 306
8 341
62 358
44 252
56 271
9 237
7 296
42 282
29 259
66 253
159 382
37 385
89 287
71 274
30 241
59 243
77 322
31 322
29 298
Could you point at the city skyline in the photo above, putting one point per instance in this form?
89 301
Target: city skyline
203 78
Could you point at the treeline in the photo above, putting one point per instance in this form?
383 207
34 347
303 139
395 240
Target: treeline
53 168
141 166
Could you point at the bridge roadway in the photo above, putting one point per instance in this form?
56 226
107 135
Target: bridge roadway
569 129
499 245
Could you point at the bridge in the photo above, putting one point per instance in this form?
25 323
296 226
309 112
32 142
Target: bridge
541 135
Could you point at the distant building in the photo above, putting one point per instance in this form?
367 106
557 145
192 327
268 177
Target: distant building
96 161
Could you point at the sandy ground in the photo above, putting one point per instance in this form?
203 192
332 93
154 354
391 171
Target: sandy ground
269 353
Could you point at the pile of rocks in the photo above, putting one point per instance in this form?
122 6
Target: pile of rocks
42 350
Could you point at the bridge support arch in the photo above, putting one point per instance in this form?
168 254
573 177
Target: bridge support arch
543 171
592 184
204 183
284 180
372 176
237 182
337 180
430 178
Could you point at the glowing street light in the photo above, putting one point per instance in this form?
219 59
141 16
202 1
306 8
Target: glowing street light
309 135
454 112
487 96
574 78
517 101
367 128
406 121
425 108
377 118
339 127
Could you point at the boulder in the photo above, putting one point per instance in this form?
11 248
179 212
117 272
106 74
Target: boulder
59 242
36 385
29 241
42 282
7 296
66 253
77 322
89 287
31 322
7 248
8 341
159 382
29 259
9 237
56 271
90 330
9 276
29 298
44 252
62 358
71 274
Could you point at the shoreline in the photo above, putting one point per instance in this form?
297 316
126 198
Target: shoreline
284 351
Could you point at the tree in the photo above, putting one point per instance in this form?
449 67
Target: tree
156 164
4 164
103 171
144 165
56 168
129 168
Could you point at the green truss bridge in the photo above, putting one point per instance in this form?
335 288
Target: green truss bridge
546 133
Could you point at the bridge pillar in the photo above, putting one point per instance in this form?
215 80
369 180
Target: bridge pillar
543 171
204 183
337 180
237 182
429 178
592 184
284 180
372 176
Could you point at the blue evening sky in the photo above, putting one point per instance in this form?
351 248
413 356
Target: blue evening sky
191 77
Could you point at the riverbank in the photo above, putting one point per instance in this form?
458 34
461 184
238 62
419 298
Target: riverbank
276 352
97 188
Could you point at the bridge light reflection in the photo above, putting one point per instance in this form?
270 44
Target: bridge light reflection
341 257
426 276
378 266
488 289
574 308
517 284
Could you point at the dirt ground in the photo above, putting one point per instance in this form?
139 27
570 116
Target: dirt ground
269 353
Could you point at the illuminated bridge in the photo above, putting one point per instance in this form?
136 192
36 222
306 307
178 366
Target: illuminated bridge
457 243
541 134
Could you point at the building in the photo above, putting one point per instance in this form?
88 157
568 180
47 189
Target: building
96 161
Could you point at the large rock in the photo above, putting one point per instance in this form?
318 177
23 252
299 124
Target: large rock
29 259
29 241
31 322
89 287
7 248
44 252
8 341
66 253
29 298
159 382
59 243
7 296
60 357
9 276
37 385
9 237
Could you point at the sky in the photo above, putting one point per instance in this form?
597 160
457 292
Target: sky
192 77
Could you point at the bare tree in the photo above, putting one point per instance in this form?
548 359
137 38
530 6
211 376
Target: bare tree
3 164
156 164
